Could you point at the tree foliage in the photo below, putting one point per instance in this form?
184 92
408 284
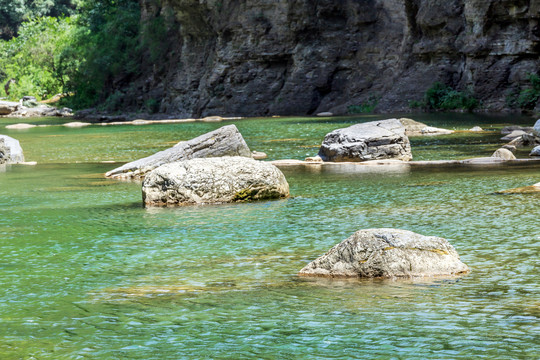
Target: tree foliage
87 56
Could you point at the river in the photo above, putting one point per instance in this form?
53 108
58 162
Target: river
87 272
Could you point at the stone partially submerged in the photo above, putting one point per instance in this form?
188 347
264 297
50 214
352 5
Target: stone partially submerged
213 181
11 151
415 128
225 141
384 139
387 253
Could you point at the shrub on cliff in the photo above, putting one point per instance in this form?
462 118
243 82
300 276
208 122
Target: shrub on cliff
442 97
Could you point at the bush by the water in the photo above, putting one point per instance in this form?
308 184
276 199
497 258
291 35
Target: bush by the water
442 97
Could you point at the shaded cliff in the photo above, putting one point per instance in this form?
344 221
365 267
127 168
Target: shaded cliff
207 57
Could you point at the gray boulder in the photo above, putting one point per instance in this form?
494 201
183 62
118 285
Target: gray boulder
384 139
388 253
513 135
536 129
225 141
7 107
535 151
212 181
509 129
10 150
504 154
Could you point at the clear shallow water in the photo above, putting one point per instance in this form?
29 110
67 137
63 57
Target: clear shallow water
87 272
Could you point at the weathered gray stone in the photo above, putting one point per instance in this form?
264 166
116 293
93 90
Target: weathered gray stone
384 139
513 135
41 110
509 129
12 152
536 129
225 141
213 180
8 107
504 154
388 253
535 151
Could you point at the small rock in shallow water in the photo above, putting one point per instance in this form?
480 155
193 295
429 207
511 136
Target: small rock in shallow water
535 151
504 154
476 128
21 126
388 253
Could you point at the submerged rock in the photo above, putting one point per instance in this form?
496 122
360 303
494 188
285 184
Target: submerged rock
384 139
415 128
212 181
388 253
21 126
225 141
11 151
532 189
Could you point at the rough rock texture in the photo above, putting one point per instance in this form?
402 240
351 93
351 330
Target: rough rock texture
7 107
535 151
214 180
509 129
304 57
10 150
384 139
504 154
536 129
415 128
513 135
388 253
225 141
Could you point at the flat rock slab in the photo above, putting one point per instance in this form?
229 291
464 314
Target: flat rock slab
388 253
415 128
384 139
213 181
225 141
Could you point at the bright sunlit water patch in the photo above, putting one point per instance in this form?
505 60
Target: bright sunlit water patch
88 272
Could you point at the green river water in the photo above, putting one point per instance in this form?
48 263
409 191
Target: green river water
86 272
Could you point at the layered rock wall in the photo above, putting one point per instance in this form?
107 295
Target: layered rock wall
239 57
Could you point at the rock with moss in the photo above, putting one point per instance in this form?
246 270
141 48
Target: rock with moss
213 181
225 141
11 151
375 140
388 253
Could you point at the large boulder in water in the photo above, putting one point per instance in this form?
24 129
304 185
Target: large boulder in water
388 253
384 139
536 128
8 107
212 181
10 150
225 141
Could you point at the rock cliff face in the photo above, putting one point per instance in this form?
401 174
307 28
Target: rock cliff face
238 57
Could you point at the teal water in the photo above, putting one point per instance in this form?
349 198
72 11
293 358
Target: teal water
87 272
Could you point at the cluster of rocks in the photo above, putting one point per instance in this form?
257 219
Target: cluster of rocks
522 136
29 107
